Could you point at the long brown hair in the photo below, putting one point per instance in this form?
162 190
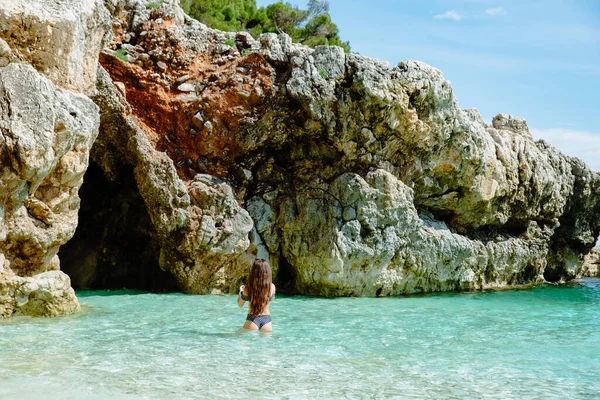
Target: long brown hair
259 285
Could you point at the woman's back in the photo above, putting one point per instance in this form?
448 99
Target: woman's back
259 291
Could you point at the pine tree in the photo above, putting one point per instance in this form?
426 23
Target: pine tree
312 26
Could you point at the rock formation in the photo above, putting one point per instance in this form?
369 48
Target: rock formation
61 39
590 264
200 228
361 179
352 177
46 137
46 134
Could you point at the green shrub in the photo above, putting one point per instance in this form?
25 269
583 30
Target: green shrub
153 5
121 54
323 73
312 26
230 43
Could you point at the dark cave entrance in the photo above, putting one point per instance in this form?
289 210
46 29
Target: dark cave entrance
113 246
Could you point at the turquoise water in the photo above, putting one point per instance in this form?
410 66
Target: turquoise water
539 343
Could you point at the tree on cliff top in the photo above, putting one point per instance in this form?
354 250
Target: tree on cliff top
311 27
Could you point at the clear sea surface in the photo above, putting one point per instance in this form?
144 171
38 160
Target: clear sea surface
522 344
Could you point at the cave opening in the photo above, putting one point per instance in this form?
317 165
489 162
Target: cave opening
286 276
113 246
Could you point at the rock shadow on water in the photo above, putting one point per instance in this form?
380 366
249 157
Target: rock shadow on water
110 292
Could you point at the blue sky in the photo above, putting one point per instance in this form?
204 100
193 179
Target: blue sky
536 59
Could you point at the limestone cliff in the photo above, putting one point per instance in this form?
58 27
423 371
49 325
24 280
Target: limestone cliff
361 178
351 176
590 263
46 134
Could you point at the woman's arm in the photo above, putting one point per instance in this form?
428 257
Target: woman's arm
272 295
239 299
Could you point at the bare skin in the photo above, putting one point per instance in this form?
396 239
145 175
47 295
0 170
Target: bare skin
265 311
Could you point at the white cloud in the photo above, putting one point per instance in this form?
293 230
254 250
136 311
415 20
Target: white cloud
495 11
581 144
449 15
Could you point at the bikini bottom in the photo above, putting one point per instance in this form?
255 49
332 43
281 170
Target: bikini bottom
259 320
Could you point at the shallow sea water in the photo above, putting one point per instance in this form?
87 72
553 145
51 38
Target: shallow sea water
538 343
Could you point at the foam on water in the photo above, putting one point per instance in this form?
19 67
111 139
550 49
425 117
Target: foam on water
539 343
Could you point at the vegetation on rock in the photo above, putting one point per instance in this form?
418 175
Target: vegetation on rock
154 5
121 54
311 27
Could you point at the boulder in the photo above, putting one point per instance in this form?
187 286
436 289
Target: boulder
591 263
364 237
61 39
44 152
48 294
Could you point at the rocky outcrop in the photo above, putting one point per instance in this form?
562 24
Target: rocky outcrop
364 236
361 178
591 263
199 226
48 294
351 176
46 136
61 39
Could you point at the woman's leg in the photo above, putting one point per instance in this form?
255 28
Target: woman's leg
250 326
267 327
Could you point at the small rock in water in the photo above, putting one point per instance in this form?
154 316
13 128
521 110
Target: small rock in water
159 20
208 126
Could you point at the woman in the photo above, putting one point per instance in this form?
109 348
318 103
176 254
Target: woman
260 291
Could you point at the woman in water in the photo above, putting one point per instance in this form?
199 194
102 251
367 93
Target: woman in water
260 291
